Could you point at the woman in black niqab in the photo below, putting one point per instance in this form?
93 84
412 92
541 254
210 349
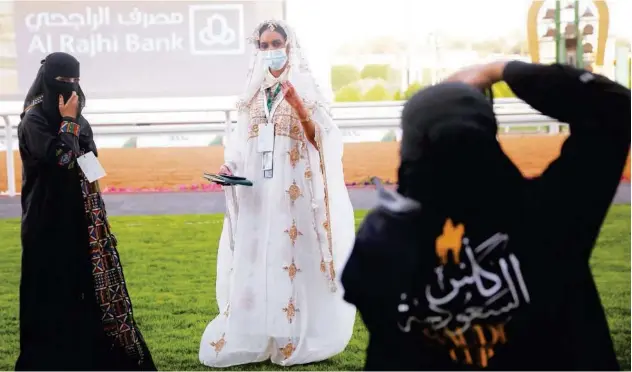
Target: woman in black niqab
57 75
75 310
488 269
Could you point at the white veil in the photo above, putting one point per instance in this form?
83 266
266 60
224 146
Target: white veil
301 77
300 74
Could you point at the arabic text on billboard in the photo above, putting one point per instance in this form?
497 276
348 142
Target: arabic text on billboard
147 48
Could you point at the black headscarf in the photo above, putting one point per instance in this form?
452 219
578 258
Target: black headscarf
46 89
450 156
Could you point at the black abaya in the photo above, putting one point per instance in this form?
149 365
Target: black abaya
75 311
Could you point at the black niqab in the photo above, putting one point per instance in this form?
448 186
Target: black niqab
450 157
49 88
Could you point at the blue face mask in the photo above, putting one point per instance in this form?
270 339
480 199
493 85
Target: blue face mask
275 59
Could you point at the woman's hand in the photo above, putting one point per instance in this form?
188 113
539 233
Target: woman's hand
69 108
225 170
480 76
303 115
294 100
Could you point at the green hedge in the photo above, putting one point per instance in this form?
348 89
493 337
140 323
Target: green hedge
383 72
343 75
348 93
412 89
377 93
502 90
351 93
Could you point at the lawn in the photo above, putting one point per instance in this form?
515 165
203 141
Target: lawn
170 264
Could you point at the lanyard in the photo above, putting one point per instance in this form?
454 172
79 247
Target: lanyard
270 97
266 134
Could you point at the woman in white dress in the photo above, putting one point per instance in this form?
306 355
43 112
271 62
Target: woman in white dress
286 238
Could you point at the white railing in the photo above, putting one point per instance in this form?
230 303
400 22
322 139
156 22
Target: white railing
511 113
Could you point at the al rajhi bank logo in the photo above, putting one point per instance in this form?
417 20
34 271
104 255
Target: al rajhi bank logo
101 30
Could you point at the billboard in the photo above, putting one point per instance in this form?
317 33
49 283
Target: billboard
142 49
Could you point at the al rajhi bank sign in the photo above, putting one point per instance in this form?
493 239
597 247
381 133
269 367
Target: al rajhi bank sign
145 48
92 21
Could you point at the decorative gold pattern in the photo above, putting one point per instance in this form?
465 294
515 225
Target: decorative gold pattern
326 224
308 174
286 122
295 155
291 310
219 344
323 266
294 192
292 270
332 270
293 232
288 350
253 131
289 128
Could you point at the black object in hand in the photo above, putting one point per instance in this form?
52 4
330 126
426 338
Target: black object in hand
226 180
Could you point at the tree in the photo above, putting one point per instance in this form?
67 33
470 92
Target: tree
412 89
343 75
376 72
348 93
377 93
502 90
398 96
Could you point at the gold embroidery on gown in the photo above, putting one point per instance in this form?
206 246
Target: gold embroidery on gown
326 223
286 122
294 192
219 344
295 155
291 310
287 350
292 270
293 232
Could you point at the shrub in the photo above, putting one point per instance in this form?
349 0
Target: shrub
502 90
343 75
376 72
377 93
412 89
348 93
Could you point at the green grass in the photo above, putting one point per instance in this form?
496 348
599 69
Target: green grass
170 265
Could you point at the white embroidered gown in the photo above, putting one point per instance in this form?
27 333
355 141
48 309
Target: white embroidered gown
283 243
